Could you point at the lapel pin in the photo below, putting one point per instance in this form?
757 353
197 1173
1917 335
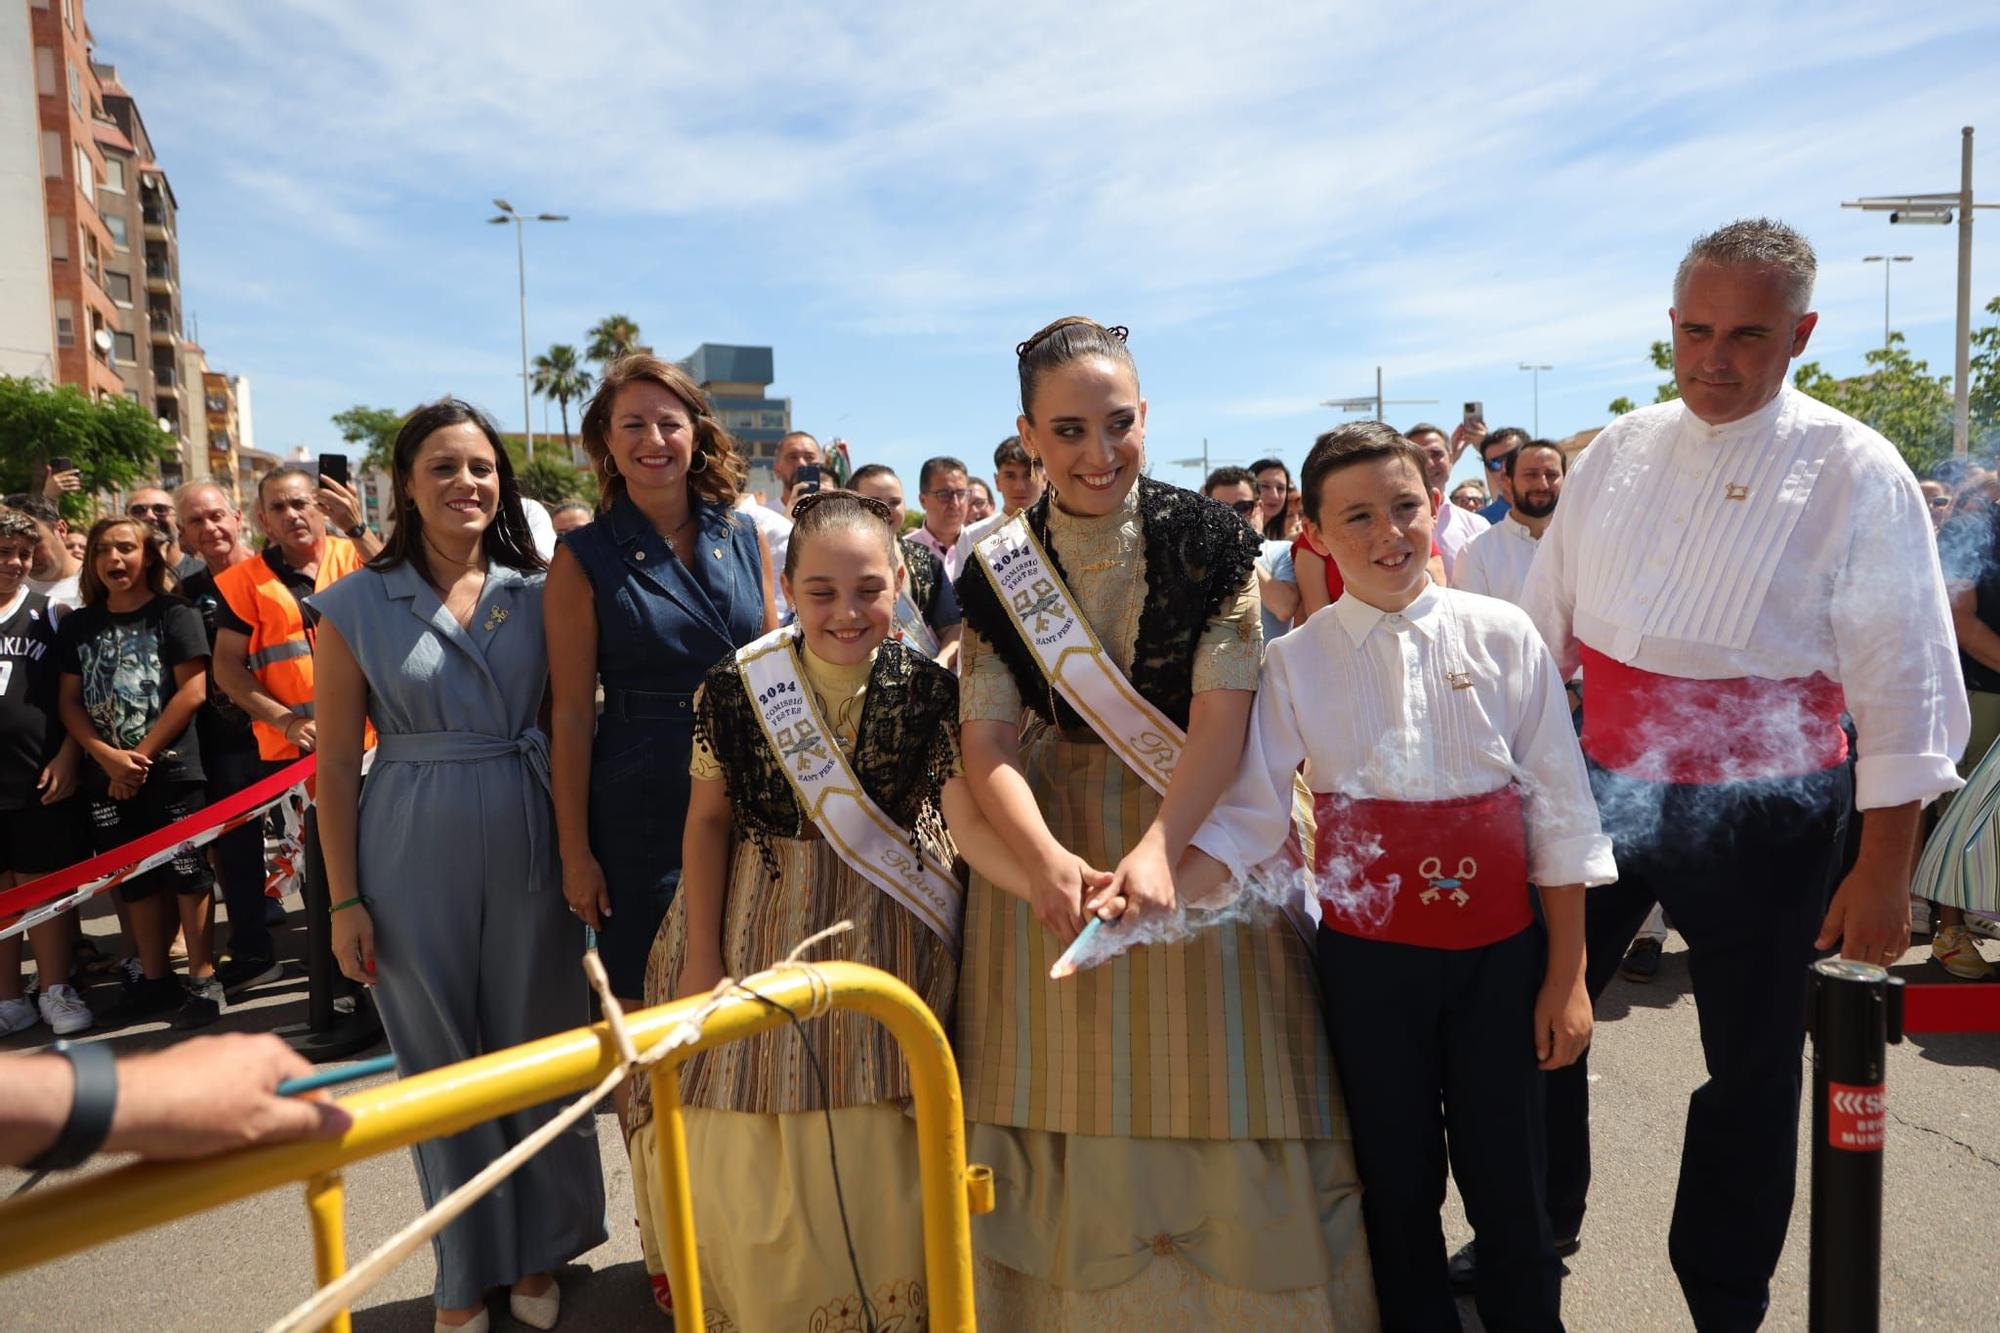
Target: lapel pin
717 553
495 617
1737 491
1460 680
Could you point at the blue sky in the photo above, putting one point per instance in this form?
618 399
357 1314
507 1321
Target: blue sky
1274 197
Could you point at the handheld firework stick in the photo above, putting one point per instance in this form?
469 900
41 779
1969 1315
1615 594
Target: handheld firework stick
1069 964
329 1078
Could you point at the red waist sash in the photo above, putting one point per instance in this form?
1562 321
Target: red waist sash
1672 729
1438 874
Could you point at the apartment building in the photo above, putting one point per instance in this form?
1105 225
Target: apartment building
223 429
142 273
27 318
735 380
70 111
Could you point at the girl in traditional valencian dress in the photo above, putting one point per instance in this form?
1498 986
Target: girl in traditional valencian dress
835 716
1166 1133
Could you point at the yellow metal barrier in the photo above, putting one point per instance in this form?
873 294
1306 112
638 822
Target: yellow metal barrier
51 1223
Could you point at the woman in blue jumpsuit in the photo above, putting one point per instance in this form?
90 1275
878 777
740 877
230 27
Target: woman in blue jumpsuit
443 882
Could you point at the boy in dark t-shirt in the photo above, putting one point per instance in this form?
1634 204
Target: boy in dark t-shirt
39 829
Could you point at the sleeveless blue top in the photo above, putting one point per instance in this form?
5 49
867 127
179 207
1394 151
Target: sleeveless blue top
661 625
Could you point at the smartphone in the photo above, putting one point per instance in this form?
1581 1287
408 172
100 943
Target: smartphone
59 464
1474 412
333 467
806 478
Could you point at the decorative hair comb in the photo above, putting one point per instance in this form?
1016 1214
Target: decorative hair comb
1118 331
868 503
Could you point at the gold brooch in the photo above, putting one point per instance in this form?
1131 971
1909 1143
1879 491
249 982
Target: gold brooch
1736 491
1460 680
495 618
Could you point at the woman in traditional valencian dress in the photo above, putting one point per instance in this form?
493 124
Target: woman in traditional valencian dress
1166 1132
758 877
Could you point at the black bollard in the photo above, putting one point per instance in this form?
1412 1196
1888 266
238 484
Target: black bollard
1856 1011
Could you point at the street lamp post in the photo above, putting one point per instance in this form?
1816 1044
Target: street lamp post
508 214
1377 401
1538 393
1888 263
1936 210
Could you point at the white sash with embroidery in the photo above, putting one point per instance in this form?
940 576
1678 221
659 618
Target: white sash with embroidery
1075 664
832 797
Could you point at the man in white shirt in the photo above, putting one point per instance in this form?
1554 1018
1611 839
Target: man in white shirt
942 490
1495 563
1735 569
1455 527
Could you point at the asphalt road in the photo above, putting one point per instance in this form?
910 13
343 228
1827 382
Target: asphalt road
242 1267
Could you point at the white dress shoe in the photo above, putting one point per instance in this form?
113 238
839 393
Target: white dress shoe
537 1311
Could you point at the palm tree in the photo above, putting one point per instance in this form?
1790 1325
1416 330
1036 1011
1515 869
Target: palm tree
612 337
559 375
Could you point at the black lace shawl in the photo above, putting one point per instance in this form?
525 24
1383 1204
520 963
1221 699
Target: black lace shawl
1197 555
926 570
903 749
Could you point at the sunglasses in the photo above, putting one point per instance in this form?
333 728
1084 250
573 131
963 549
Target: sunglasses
1939 502
1497 464
1243 506
158 511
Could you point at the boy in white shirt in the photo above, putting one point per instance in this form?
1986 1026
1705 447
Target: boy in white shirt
1436 739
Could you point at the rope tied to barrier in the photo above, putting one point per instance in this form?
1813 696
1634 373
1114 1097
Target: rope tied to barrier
337 1295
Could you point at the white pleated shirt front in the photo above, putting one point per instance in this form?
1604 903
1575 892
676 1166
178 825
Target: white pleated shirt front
1792 542
1452 696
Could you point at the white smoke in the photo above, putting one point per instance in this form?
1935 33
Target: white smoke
1263 897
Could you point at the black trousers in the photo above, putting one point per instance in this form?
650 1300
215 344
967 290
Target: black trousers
239 856
1745 870
1436 1054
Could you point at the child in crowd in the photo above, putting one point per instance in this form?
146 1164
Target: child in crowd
1446 777
786 836
39 828
134 663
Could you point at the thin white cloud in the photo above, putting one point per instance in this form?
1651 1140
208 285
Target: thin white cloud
1447 190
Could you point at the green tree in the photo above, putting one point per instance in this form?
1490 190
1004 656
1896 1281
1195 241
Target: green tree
610 338
551 480
374 430
1897 395
113 441
1661 354
1985 378
559 375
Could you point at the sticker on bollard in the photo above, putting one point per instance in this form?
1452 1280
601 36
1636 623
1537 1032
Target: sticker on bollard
1854 1115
